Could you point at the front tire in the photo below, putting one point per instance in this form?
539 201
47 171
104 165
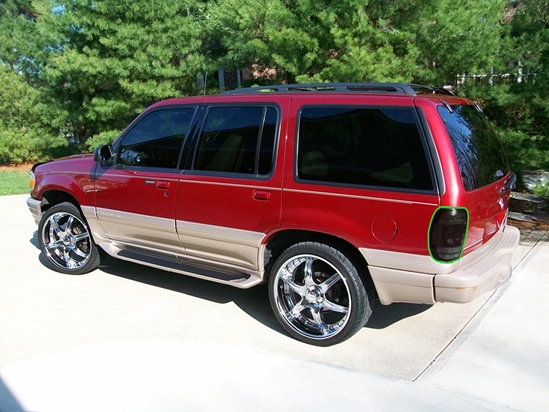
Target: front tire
66 242
317 294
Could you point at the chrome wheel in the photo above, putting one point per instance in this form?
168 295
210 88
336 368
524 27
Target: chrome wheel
65 240
318 296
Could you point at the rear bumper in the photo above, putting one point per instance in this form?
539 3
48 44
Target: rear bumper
481 271
35 207
419 279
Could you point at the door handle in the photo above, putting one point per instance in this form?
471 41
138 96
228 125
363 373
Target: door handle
162 184
262 195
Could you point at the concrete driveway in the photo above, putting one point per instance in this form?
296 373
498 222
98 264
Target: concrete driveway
128 337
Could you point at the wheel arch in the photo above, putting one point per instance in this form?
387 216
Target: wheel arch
55 188
282 240
54 197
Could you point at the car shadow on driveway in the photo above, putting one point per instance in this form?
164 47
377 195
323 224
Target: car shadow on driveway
384 316
34 240
8 401
254 301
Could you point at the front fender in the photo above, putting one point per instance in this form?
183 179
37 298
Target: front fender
69 177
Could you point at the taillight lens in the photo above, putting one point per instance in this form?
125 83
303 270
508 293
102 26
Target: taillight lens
447 233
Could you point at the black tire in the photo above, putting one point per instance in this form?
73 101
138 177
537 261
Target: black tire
66 242
317 294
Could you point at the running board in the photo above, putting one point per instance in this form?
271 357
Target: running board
240 280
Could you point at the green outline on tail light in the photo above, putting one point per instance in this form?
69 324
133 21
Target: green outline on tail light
464 237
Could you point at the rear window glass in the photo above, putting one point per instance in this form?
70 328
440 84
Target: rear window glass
368 146
237 139
478 150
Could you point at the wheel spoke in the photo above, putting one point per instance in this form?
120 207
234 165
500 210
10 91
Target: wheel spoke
289 282
327 284
67 257
55 231
54 245
319 322
308 271
334 307
80 252
296 311
81 236
68 225
59 251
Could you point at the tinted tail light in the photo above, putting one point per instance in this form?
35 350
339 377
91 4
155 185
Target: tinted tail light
447 233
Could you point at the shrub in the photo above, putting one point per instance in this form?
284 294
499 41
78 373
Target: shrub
19 146
524 152
101 138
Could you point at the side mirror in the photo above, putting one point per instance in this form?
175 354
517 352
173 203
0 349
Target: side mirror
103 153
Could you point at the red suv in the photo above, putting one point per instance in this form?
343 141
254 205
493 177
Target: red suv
335 194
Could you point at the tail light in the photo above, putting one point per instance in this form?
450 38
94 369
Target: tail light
447 233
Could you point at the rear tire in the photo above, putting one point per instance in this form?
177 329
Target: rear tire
317 294
66 242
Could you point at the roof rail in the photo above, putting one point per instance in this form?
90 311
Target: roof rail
407 89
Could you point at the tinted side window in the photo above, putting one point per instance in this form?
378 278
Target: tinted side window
478 151
156 140
362 146
237 139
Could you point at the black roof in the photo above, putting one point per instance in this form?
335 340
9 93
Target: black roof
408 89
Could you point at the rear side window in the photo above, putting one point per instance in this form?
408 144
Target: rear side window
478 150
237 139
379 147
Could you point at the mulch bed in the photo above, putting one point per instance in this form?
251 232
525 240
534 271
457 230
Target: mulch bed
18 166
541 223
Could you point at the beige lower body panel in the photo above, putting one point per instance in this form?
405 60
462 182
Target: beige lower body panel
221 244
156 244
481 271
393 285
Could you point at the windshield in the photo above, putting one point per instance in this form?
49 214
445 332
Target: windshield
478 150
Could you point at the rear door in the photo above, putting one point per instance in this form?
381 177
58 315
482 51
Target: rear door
229 195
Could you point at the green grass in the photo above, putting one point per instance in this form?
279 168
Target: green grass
14 182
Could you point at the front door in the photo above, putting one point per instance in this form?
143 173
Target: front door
135 197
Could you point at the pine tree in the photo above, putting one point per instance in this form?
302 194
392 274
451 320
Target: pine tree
116 57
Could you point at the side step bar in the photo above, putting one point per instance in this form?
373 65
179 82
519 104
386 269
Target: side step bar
233 278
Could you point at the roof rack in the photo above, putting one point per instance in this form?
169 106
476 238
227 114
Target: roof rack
407 89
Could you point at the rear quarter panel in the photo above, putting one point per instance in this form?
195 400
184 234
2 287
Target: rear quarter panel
487 207
389 220
365 218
